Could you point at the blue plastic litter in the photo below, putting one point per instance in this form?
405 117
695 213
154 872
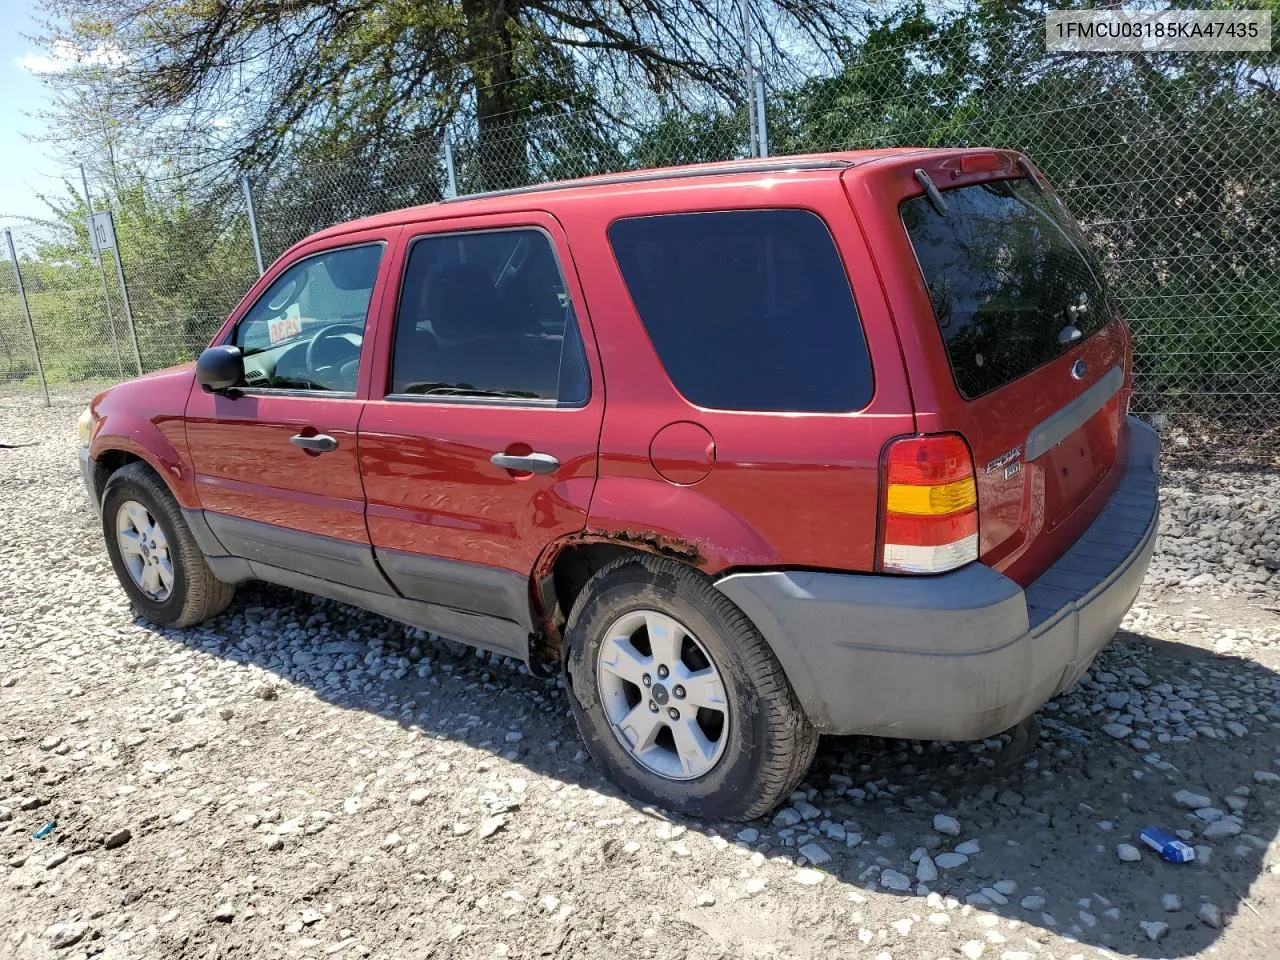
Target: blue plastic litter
44 831
1167 845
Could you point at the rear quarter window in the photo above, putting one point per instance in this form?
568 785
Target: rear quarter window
1002 266
747 309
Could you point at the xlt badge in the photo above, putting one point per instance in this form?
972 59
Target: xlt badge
1009 460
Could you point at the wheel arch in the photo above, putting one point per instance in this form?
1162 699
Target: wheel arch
562 571
640 516
111 451
109 462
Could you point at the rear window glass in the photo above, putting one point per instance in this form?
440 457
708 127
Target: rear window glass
747 309
1002 267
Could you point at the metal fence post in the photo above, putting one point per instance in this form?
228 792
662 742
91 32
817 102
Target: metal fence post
26 309
253 224
448 165
102 272
763 137
748 74
124 296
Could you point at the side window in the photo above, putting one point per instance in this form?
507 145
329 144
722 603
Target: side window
747 309
306 331
487 314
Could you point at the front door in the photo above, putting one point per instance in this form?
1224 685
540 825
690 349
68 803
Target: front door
276 464
480 449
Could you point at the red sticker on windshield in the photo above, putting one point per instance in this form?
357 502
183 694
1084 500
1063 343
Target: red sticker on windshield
284 328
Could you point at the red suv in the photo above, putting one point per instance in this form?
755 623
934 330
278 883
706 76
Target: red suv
753 451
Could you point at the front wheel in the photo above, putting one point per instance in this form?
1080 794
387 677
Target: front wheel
156 559
678 696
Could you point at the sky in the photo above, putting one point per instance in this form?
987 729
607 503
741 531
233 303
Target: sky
26 168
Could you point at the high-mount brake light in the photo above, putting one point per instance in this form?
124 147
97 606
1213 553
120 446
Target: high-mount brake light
977 162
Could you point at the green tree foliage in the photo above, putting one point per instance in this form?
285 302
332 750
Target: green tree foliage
186 265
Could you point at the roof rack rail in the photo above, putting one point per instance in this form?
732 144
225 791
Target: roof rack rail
643 176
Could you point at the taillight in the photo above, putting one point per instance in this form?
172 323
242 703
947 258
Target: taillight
930 505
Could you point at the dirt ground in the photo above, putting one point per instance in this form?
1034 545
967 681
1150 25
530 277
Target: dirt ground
300 779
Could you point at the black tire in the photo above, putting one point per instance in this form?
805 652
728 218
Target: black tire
770 742
196 594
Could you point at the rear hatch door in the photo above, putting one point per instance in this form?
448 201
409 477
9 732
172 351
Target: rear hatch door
1020 349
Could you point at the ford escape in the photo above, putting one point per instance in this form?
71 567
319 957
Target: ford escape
751 451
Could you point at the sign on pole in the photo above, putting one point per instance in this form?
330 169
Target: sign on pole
102 232
104 235
102 270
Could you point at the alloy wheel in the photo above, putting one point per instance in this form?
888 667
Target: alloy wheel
144 548
663 695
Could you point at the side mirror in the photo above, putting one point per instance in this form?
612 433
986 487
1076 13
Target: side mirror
220 369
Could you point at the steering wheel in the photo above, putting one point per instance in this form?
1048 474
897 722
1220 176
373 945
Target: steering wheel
332 331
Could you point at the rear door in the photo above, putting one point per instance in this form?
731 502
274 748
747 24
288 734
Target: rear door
478 446
1019 348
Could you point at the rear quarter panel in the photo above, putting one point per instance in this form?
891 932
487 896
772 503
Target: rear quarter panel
786 489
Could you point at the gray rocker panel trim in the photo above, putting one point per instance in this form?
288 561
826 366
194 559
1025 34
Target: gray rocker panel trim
486 632
475 587
243 550
340 561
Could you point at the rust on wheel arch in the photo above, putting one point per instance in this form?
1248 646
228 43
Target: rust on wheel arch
550 627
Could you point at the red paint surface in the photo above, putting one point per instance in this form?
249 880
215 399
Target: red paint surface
245 466
144 417
427 477
683 452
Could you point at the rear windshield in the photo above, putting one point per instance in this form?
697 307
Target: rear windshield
747 309
1002 266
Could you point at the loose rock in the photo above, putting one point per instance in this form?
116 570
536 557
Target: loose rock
1128 853
1210 915
63 935
1154 929
117 838
948 826
893 880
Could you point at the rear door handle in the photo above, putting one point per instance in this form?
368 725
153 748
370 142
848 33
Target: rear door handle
320 443
529 463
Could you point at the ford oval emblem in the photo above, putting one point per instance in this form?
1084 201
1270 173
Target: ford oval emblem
1079 369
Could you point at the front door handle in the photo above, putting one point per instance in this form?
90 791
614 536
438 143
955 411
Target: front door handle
320 443
528 463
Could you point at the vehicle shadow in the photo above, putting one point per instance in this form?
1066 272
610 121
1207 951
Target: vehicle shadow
1047 811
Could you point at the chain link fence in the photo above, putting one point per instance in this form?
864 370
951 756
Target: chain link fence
1169 161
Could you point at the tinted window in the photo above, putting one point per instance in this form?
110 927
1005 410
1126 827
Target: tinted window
306 331
487 314
748 310
1002 266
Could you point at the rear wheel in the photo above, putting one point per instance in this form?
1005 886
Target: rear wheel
679 697
156 559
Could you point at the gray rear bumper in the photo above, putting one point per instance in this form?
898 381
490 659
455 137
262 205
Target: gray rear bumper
961 655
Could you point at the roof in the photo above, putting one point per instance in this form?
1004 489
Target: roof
501 201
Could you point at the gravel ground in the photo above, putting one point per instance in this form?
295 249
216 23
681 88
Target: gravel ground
299 779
